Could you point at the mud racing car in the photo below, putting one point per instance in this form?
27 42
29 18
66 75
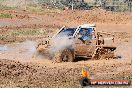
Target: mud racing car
82 41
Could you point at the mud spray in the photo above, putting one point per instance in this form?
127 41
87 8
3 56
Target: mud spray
60 43
18 51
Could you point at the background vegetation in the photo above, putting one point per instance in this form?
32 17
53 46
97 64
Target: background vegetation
113 5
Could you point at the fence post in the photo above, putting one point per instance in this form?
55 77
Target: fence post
72 5
130 7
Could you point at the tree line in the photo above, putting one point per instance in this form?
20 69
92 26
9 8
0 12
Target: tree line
113 5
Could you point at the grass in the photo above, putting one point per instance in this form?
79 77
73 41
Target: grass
40 9
13 35
5 15
32 8
3 37
26 32
6 7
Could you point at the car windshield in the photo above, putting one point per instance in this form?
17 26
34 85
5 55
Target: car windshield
67 32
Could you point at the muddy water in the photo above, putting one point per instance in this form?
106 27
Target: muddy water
3 48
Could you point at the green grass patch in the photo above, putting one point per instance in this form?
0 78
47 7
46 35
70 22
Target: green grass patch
34 8
3 37
6 7
5 15
10 36
27 32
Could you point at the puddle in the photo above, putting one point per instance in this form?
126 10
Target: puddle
23 50
3 48
4 23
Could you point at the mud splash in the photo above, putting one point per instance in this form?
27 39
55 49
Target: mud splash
18 51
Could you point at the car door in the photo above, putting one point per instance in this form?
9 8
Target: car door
84 44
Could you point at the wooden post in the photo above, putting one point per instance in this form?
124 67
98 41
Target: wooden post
72 5
130 6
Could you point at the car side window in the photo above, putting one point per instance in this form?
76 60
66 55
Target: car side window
85 33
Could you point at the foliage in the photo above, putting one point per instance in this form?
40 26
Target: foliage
82 5
65 3
113 5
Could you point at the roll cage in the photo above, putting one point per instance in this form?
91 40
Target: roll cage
76 30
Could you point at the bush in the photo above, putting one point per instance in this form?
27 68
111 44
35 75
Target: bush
81 6
77 5
64 3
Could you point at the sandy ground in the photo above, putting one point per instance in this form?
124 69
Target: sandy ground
18 69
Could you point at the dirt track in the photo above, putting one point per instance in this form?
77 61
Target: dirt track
19 69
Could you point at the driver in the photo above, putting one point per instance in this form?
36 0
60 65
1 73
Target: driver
86 34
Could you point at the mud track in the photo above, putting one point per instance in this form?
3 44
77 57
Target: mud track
18 69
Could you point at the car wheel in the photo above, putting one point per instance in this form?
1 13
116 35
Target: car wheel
64 56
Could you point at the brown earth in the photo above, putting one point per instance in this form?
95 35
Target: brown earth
58 18
19 70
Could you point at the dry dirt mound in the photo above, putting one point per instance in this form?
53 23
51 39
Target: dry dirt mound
23 19
98 16
103 16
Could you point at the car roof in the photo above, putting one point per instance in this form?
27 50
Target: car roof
87 25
